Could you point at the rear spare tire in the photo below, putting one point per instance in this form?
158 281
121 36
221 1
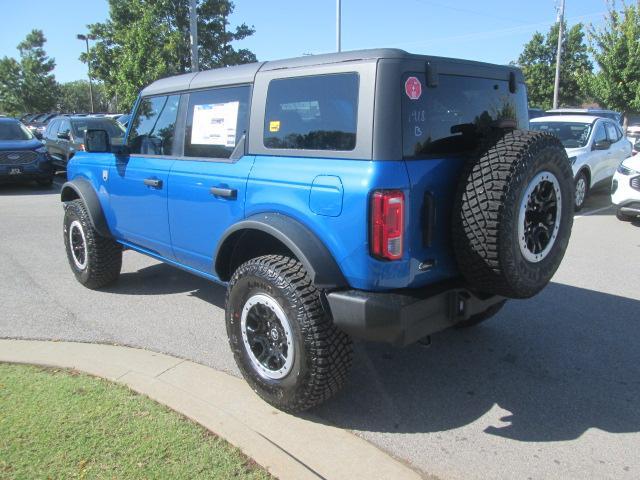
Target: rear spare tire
513 214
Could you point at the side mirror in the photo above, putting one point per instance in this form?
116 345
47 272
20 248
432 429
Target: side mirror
38 135
636 146
602 145
96 141
63 135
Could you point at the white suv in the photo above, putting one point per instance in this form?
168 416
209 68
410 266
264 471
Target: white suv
625 188
595 146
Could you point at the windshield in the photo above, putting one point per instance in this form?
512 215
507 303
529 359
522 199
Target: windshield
113 128
14 131
571 134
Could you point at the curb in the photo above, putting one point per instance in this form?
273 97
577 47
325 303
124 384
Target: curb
288 447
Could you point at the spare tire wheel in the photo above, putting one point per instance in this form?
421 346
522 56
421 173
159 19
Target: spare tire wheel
513 214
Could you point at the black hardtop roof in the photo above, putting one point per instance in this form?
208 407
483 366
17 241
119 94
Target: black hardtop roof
246 73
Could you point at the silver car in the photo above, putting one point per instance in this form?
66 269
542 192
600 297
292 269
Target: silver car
595 146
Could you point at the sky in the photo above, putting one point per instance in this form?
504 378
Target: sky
488 30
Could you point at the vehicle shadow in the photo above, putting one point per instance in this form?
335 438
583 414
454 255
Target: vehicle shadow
561 363
164 279
27 188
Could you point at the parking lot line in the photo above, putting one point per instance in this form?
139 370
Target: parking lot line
591 212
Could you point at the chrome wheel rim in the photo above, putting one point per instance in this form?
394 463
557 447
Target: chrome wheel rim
78 245
267 337
539 217
581 191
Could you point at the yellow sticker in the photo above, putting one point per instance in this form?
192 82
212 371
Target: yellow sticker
274 126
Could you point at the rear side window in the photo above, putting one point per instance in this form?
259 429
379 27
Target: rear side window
453 117
153 127
216 120
52 129
312 113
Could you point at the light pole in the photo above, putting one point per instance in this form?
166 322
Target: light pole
193 32
556 86
86 39
338 26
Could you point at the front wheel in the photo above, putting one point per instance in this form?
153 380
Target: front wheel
95 260
284 343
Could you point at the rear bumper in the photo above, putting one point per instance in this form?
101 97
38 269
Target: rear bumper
404 316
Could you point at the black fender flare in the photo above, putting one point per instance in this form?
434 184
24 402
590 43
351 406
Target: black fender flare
303 243
81 188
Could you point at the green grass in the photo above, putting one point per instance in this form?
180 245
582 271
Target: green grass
60 424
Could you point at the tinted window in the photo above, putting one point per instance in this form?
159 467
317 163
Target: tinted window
312 113
14 131
113 128
216 120
153 127
612 132
52 129
65 126
571 134
600 134
453 117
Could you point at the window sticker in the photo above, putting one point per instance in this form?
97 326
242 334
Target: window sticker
274 125
215 124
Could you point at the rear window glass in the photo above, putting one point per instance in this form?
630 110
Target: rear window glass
312 113
452 118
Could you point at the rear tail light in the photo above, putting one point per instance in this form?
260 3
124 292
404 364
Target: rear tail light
387 224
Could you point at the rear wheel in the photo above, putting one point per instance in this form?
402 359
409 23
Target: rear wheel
513 214
581 190
284 343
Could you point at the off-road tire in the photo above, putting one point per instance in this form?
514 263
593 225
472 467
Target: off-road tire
322 353
486 209
104 255
583 177
474 320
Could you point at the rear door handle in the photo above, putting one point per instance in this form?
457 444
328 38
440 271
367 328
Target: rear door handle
153 182
230 193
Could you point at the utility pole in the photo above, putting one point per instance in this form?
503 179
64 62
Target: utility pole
86 38
193 27
338 26
556 88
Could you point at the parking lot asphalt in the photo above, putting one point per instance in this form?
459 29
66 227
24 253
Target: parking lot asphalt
549 388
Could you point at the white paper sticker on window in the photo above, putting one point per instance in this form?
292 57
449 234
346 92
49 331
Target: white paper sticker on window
215 124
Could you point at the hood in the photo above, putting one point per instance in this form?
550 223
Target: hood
20 144
574 152
633 162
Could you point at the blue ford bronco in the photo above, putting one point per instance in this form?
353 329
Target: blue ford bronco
373 194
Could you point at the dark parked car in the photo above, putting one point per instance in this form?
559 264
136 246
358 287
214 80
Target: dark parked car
22 156
64 136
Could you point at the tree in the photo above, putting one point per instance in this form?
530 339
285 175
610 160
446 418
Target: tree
144 40
74 97
616 49
538 63
28 85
